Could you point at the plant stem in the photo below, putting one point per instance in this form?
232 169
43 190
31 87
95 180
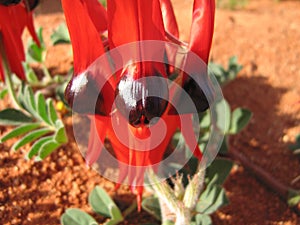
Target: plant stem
46 72
130 209
7 74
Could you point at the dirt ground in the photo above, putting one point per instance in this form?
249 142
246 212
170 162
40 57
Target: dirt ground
265 35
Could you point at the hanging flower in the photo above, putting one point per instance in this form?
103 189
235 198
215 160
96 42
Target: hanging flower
125 97
13 19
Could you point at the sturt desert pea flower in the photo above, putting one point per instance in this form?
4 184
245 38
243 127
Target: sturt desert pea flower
127 22
13 19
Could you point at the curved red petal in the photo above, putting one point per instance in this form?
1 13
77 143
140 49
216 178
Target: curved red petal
86 41
97 14
11 26
169 18
136 20
96 138
202 28
31 29
189 135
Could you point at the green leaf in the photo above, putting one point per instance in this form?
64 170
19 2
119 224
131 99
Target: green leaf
34 135
3 93
101 202
28 100
52 115
103 2
20 131
205 121
224 145
151 205
37 146
116 216
13 117
60 35
30 74
211 199
47 148
239 119
41 107
60 134
202 219
77 217
34 52
223 113
219 170
293 197
296 146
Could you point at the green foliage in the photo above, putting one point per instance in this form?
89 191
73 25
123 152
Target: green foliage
37 122
77 217
101 204
293 197
34 52
151 205
12 116
60 35
296 146
232 4
103 2
3 93
223 75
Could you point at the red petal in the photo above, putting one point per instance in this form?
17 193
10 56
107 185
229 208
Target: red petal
11 26
96 138
1 69
169 18
86 41
97 14
136 20
202 28
30 26
189 135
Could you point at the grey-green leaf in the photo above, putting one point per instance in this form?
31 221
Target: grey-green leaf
60 35
29 100
13 117
52 115
60 134
223 115
47 148
37 146
239 119
151 205
32 136
211 199
30 74
3 92
41 107
202 219
219 170
23 129
101 202
293 197
77 217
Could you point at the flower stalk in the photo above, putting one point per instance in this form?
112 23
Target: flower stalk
178 204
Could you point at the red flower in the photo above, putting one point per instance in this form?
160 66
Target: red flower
132 21
13 20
